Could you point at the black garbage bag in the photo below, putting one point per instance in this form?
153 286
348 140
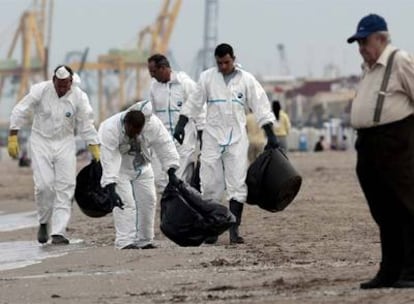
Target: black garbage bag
179 221
188 220
93 200
272 181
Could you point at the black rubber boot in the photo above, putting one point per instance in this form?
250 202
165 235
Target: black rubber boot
237 209
42 235
383 279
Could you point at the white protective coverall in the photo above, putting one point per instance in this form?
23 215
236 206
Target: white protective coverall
126 162
167 100
53 147
224 159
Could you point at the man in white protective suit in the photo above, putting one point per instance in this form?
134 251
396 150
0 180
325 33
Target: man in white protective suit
169 91
58 108
127 139
229 92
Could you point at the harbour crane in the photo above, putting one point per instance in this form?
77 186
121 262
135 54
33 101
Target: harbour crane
33 35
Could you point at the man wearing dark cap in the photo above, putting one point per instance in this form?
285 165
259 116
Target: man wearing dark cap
57 109
382 114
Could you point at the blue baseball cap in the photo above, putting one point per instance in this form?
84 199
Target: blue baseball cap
369 24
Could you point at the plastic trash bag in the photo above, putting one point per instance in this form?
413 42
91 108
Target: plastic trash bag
272 182
92 199
188 220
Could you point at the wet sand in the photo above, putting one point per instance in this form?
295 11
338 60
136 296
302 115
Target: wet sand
318 250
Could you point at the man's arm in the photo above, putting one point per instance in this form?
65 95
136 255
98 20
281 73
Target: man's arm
405 72
194 105
190 87
22 112
110 156
84 121
192 108
85 126
19 117
258 102
161 143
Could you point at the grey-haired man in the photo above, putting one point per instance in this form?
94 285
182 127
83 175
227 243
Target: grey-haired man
382 114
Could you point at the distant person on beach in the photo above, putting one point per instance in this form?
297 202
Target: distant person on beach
59 108
283 127
343 145
320 144
382 113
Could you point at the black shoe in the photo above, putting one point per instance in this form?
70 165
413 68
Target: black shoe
149 246
236 239
130 246
59 240
403 284
379 282
211 240
42 235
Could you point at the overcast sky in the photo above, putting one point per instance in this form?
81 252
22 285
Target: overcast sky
314 32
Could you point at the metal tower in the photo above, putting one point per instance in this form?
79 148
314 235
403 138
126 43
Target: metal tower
32 38
205 56
210 32
283 64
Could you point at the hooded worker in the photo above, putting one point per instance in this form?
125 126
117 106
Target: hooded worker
228 92
59 108
169 91
127 140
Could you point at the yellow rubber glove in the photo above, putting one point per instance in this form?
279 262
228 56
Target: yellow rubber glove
13 146
95 151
